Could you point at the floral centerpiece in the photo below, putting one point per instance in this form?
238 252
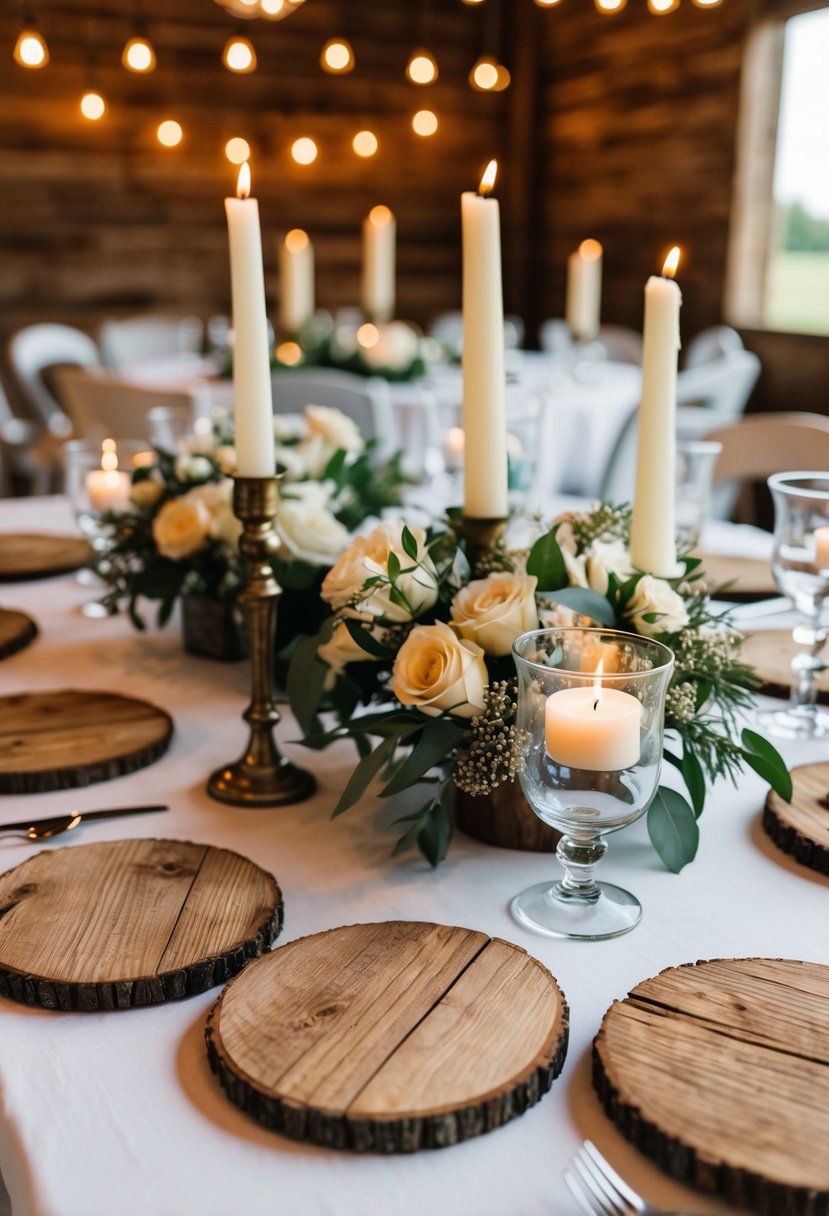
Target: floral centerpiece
415 662
179 537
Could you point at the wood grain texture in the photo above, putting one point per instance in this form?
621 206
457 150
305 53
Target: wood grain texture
17 630
719 1071
57 740
389 1037
801 827
744 578
131 922
29 555
770 652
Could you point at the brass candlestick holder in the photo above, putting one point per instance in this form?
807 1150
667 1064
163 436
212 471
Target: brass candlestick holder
480 537
262 777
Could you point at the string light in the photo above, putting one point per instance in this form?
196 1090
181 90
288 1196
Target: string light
237 150
30 50
547 3
138 54
304 151
425 122
169 133
489 76
706 3
337 56
93 106
658 7
239 55
422 67
610 6
364 143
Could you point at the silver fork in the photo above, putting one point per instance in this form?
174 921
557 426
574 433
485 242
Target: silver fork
599 1191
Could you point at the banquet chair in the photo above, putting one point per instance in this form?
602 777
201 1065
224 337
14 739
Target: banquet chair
716 393
101 405
711 344
134 340
621 344
366 401
35 354
24 465
447 328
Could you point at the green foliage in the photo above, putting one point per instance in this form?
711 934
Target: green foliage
672 827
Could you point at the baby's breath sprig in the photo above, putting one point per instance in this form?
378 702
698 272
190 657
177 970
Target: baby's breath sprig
496 749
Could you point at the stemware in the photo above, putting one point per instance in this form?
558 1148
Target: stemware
800 566
591 710
695 462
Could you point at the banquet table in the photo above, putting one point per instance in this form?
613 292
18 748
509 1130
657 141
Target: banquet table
103 1112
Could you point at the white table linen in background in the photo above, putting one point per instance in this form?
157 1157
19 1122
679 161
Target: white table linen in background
118 1112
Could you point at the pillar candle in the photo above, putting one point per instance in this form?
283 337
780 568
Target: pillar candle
296 281
484 418
379 240
652 530
822 548
593 728
251 351
108 488
584 290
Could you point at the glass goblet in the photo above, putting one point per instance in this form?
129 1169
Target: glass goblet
800 565
591 711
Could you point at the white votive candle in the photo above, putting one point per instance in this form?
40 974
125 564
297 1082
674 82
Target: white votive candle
822 548
593 728
108 488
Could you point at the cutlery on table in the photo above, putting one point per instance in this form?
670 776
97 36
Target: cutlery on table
43 829
599 1191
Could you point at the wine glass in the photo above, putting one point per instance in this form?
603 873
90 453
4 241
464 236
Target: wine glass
591 710
800 565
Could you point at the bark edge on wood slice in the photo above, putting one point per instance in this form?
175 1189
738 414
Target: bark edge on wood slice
801 827
68 738
770 652
17 630
719 1072
389 1037
29 555
505 819
129 923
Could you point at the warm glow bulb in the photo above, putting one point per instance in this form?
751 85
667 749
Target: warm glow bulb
289 353
138 55
30 50
484 75
237 150
547 3
295 240
380 215
368 335
425 122
93 106
239 55
364 143
610 6
337 56
169 133
707 3
658 7
671 263
272 8
304 151
422 67
504 78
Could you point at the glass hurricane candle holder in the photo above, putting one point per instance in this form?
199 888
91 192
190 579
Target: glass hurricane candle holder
591 710
800 565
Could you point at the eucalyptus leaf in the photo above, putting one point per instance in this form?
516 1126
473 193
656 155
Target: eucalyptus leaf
306 678
587 602
438 739
546 562
366 640
766 760
366 770
694 779
673 829
436 833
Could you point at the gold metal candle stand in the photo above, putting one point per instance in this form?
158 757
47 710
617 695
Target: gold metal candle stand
480 537
262 777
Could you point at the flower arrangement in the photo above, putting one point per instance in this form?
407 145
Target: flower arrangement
423 645
180 535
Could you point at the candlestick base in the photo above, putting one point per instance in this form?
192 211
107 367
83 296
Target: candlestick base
261 777
481 538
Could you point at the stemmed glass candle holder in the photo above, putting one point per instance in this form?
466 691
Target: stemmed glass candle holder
591 710
800 565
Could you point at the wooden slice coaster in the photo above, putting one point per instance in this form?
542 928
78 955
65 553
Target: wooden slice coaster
801 827
25 555
16 631
389 1037
56 740
131 922
770 652
750 578
719 1071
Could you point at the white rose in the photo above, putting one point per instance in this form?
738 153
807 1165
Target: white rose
336 429
655 595
226 458
292 461
576 568
316 493
367 556
493 611
146 493
437 672
192 468
310 532
339 651
217 496
604 558
287 426
181 527
396 347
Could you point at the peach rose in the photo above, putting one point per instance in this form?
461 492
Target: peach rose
437 672
493 611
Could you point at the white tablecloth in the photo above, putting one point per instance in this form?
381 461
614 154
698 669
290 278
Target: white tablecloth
118 1112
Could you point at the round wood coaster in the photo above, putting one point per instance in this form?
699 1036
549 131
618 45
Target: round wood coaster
719 1071
770 652
131 922
56 740
389 1037
25 555
16 631
749 578
801 827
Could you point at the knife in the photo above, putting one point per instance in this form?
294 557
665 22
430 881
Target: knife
81 816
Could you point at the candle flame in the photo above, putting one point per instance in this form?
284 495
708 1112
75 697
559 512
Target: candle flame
109 455
243 181
380 215
296 239
597 683
671 263
488 178
590 250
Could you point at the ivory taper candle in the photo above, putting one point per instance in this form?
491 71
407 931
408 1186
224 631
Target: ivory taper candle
584 290
296 281
379 243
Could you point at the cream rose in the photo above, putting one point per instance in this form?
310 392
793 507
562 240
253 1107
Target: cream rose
336 429
655 595
146 493
437 672
396 347
181 527
604 558
369 555
576 568
493 611
217 496
291 460
226 458
339 651
310 532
